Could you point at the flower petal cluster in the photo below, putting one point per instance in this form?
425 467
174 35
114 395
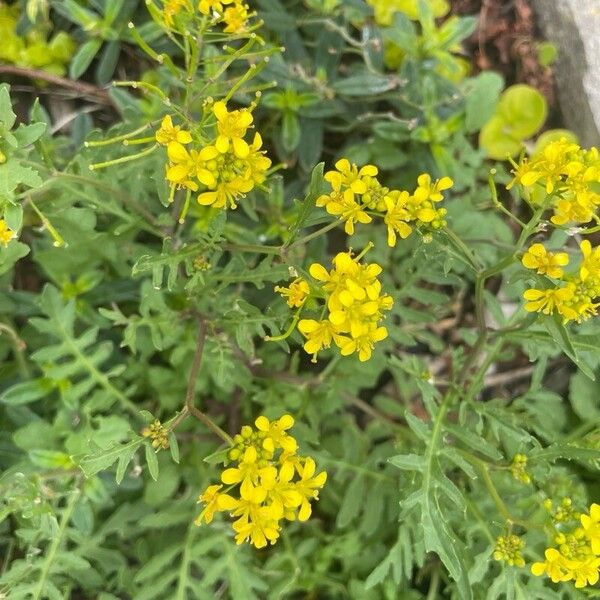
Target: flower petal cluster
576 555
573 294
223 170
231 13
349 303
357 195
171 133
158 434
267 483
567 175
6 233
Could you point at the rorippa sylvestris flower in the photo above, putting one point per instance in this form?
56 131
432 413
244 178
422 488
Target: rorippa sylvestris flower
223 170
571 295
6 233
575 554
564 177
357 196
265 483
349 305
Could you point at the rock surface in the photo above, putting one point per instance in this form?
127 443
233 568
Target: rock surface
574 26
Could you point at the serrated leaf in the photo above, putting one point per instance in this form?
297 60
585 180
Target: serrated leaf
104 459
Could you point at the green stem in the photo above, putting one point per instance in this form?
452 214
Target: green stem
313 235
464 249
123 159
254 248
184 566
56 542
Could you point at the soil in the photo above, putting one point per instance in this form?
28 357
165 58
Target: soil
506 40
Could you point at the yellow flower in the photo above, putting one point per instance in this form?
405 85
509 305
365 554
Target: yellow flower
548 301
350 175
172 8
348 210
544 262
236 18
296 294
590 267
431 191
257 523
555 566
185 166
364 343
308 487
232 127
271 488
6 233
318 334
585 571
397 216
591 527
275 433
215 502
256 161
246 473
169 133
207 7
226 193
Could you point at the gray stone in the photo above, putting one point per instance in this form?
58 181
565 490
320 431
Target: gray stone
574 27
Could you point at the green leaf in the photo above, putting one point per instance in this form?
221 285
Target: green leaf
174 447
7 116
402 33
408 462
315 189
27 134
562 338
103 459
11 254
290 131
523 109
563 450
83 57
482 96
152 461
26 392
365 84
474 441
352 502
584 395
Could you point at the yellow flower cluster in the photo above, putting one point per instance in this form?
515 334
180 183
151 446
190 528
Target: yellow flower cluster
227 168
385 9
158 434
271 483
349 301
567 174
232 13
357 195
6 233
508 549
576 556
573 295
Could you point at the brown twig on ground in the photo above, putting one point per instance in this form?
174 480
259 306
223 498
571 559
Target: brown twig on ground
94 92
189 407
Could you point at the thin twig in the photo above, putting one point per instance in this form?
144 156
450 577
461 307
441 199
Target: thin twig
191 387
84 89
